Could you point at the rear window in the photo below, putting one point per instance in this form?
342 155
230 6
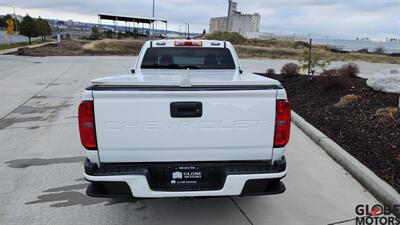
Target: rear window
188 57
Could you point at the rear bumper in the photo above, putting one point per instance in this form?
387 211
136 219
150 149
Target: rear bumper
133 180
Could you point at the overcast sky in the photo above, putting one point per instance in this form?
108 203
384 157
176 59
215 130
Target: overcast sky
377 19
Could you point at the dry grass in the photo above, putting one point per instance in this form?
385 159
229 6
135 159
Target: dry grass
346 100
114 47
388 113
354 56
289 50
246 48
245 51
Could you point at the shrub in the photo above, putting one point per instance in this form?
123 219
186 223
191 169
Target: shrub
109 34
331 79
301 44
380 50
233 37
350 70
270 71
95 33
330 72
120 35
290 69
364 50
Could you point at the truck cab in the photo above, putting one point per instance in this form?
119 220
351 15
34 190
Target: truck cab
187 122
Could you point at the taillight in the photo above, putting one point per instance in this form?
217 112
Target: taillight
188 43
87 129
282 123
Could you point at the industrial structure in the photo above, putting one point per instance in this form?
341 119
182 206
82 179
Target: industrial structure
245 24
131 23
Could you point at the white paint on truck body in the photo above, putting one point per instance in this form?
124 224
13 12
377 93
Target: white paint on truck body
136 126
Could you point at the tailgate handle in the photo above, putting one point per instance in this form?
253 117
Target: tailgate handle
186 109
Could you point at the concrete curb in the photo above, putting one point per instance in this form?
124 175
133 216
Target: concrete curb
7 51
379 188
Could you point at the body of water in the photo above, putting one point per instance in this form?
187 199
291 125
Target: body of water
355 45
5 39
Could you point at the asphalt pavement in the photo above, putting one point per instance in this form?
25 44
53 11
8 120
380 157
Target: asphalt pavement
41 169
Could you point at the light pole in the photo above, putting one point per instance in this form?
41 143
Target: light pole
152 30
188 31
153 8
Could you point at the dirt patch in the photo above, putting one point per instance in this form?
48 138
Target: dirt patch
66 48
78 47
356 127
114 47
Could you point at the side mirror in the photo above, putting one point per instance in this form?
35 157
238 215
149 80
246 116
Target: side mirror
132 70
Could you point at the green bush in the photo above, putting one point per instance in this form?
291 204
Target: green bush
233 37
120 35
301 44
109 34
316 61
379 50
95 35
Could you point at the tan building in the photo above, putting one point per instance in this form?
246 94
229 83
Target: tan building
236 21
218 24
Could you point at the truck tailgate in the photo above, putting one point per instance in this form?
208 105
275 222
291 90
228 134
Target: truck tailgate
138 125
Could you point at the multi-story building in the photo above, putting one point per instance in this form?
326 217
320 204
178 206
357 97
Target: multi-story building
236 21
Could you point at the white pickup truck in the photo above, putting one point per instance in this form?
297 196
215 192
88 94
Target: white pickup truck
187 122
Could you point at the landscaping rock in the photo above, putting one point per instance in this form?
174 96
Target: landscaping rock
386 81
24 51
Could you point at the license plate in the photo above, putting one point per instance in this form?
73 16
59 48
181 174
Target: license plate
187 175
